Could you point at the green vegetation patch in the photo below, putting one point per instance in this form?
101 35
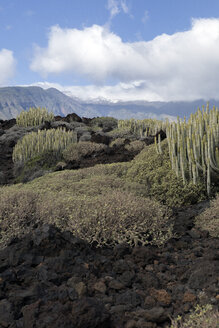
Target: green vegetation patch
36 166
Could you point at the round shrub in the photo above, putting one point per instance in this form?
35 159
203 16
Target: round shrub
108 218
135 146
209 219
34 117
119 142
106 123
75 152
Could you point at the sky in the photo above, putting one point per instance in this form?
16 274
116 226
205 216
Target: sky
154 50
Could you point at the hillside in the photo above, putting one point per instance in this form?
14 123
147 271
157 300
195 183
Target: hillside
15 99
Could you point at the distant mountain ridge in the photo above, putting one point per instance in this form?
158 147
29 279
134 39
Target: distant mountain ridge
15 99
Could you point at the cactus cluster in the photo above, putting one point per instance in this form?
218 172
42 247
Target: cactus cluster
35 143
34 117
142 128
193 146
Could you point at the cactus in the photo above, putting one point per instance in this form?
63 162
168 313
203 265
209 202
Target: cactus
34 117
142 128
35 143
193 146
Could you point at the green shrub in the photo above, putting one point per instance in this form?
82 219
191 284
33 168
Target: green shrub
121 133
75 152
209 219
201 317
154 171
34 117
35 167
135 146
118 142
106 123
42 141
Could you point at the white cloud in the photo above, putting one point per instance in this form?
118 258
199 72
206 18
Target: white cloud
113 7
7 65
124 6
181 66
145 17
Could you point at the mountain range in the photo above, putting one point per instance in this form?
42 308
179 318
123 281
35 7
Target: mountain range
15 99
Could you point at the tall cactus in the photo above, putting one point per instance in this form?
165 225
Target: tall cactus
34 117
35 143
142 128
193 146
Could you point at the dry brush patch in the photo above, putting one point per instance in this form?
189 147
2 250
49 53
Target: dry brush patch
209 219
101 211
75 152
109 218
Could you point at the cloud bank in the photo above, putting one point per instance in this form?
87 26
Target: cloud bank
7 65
181 66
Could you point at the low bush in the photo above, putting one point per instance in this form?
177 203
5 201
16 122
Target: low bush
118 142
209 219
108 218
135 146
106 123
36 166
75 152
103 210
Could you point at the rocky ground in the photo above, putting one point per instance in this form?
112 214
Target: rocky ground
50 279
